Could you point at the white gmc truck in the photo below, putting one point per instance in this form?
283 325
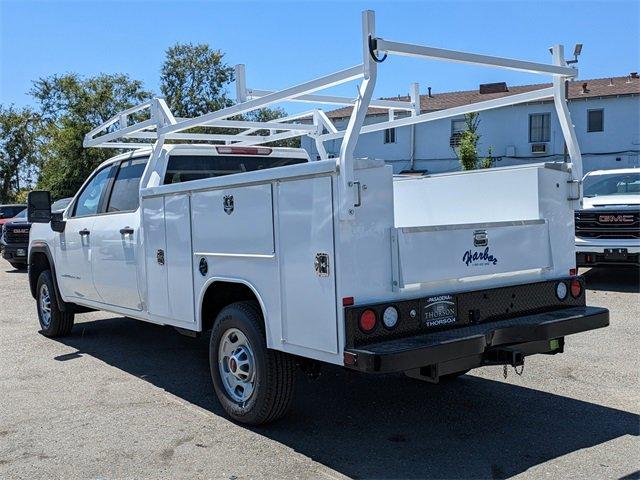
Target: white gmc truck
289 261
608 225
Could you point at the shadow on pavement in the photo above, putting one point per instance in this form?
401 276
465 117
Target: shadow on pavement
365 426
613 279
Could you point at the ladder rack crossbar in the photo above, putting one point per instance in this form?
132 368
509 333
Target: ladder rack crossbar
162 126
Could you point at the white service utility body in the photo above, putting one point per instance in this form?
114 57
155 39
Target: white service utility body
342 262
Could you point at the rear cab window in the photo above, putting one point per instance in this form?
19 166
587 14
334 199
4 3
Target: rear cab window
185 168
126 186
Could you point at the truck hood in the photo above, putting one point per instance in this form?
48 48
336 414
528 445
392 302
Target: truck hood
611 201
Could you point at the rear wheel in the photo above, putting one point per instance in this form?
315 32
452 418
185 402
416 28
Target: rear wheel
53 321
253 383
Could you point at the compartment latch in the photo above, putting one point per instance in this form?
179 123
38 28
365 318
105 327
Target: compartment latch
480 238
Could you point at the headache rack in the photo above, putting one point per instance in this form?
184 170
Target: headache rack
127 129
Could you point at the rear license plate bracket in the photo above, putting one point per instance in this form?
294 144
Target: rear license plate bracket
439 311
615 253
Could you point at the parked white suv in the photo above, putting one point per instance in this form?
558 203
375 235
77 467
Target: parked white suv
608 226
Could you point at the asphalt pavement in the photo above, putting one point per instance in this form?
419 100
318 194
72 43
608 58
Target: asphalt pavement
123 399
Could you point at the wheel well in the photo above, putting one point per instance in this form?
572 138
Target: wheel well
221 294
38 263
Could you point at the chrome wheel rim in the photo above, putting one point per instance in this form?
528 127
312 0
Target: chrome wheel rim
45 306
237 365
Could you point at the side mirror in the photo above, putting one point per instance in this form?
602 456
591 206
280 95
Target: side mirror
39 206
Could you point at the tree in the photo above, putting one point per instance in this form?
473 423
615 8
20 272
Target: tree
267 115
468 149
194 78
18 150
70 107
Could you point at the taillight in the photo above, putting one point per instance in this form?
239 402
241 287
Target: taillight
576 288
367 321
573 272
244 150
390 317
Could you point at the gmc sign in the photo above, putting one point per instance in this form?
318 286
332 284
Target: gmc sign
615 218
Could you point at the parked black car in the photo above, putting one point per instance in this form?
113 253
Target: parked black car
15 235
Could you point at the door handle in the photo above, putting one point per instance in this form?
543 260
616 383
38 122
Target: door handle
126 231
84 232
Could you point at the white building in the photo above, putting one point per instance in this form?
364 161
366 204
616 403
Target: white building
605 112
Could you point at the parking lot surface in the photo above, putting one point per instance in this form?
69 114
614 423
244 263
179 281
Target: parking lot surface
126 399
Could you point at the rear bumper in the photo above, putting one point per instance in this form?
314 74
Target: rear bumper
595 257
475 345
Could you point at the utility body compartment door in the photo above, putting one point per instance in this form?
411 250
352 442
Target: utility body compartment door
307 264
168 252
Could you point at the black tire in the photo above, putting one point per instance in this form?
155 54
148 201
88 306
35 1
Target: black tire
57 323
272 371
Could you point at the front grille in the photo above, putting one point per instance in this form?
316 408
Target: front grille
16 234
619 224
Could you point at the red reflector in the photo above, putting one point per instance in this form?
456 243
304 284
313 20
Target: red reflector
367 321
350 359
576 288
244 150
574 271
347 301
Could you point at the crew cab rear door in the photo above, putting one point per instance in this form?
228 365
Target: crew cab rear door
116 237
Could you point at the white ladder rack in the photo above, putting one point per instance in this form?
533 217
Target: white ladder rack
161 126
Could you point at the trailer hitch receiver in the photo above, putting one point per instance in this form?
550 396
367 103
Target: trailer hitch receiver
504 356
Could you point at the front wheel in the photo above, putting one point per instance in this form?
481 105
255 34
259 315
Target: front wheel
253 383
53 321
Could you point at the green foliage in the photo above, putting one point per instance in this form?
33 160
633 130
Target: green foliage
487 162
18 150
468 148
193 80
266 115
70 107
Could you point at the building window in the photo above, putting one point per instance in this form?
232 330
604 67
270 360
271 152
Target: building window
390 135
595 120
458 127
539 127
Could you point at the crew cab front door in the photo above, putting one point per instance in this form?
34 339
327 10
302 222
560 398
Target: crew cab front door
75 245
116 238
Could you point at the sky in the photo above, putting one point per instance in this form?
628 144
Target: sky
285 43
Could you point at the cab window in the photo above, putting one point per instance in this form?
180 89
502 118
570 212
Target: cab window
184 168
124 195
89 199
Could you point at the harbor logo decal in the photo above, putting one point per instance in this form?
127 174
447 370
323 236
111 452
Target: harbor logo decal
479 258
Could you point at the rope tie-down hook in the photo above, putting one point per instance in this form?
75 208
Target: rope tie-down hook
373 46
